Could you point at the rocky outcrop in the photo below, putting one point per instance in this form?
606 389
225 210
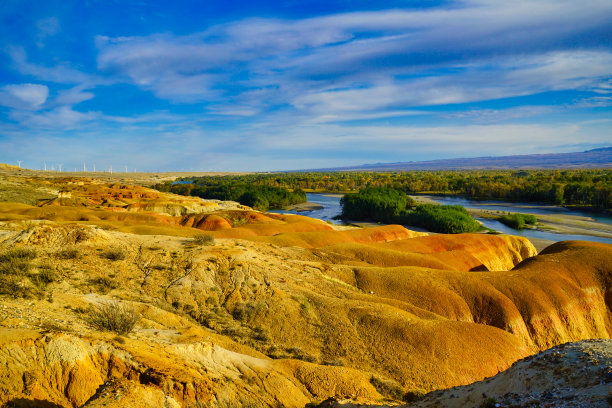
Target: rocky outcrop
63 370
211 222
49 235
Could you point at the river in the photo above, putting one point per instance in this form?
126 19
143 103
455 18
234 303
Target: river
330 203
331 208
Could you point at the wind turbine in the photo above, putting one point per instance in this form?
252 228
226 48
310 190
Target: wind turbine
84 168
59 166
111 169
94 168
126 170
45 163
19 163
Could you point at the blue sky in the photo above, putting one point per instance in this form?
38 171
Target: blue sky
280 85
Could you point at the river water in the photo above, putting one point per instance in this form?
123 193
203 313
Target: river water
330 203
331 208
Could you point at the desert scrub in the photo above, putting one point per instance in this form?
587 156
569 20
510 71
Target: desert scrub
16 261
17 287
46 275
113 317
414 395
246 312
204 239
67 253
391 389
52 326
241 402
104 284
24 254
113 254
15 266
299 354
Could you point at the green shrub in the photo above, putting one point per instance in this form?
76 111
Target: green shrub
114 254
204 239
518 221
391 206
260 197
446 219
113 317
375 204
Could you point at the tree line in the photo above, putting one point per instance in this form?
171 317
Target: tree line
260 197
584 187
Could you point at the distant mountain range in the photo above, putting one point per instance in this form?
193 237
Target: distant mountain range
596 158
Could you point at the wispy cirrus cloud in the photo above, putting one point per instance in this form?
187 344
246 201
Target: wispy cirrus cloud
61 73
61 118
23 96
47 27
348 63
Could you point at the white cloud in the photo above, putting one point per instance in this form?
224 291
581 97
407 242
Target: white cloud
61 118
595 102
487 79
23 96
406 143
72 96
62 73
47 27
499 115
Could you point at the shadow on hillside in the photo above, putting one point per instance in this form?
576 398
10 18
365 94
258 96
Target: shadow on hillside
29 403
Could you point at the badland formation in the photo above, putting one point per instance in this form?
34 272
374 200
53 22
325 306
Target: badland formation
118 295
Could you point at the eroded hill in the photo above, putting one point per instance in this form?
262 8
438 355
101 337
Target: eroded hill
279 310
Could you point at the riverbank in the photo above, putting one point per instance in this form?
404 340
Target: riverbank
305 206
559 223
554 223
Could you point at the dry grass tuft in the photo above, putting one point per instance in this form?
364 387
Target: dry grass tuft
67 253
104 284
204 239
113 254
113 317
25 254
